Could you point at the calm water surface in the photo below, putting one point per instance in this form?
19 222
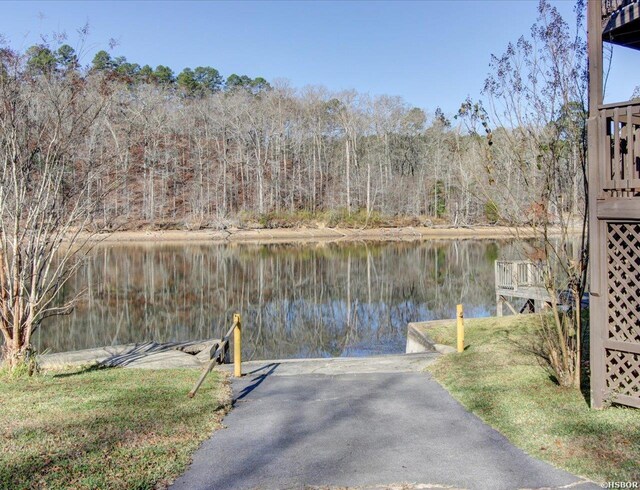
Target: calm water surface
311 300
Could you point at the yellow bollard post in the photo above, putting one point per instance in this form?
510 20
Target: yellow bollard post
460 317
237 346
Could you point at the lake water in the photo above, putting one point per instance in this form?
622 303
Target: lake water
311 300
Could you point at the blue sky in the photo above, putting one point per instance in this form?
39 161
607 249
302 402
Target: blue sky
430 53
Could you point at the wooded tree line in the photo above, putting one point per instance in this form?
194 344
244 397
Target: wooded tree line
199 151
42 59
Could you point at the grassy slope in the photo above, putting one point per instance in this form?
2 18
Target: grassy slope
506 387
108 428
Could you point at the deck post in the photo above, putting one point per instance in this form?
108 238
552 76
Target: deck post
537 305
499 305
596 235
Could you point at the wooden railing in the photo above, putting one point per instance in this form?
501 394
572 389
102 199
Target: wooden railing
514 274
221 353
619 129
611 6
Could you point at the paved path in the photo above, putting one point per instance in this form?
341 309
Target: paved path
366 426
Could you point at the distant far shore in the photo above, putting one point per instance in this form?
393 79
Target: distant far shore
284 235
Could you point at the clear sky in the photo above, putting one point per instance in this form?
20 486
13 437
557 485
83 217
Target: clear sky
432 53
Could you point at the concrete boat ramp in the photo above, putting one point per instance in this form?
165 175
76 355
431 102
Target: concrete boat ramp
396 363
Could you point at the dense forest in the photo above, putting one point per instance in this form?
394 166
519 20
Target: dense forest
198 150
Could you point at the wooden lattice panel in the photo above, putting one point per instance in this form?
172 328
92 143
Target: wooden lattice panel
623 282
623 373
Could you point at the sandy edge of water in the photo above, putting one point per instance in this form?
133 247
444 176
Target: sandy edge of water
283 235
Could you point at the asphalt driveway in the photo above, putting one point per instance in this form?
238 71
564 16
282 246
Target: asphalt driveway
357 428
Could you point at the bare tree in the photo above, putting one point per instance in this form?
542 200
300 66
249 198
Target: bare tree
537 92
46 200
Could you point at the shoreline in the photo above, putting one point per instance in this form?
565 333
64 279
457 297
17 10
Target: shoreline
286 235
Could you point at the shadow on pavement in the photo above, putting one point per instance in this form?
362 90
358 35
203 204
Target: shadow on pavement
256 381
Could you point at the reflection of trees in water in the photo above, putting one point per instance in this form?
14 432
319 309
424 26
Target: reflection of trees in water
296 300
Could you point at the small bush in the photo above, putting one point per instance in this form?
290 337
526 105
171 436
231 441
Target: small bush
491 212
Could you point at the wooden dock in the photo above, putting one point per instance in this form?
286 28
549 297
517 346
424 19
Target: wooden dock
520 279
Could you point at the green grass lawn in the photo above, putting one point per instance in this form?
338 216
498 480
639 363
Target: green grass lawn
506 387
106 428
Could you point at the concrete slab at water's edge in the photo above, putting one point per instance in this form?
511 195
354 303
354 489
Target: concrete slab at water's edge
419 339
392 363
148 355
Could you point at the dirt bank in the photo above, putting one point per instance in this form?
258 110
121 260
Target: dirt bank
314 234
